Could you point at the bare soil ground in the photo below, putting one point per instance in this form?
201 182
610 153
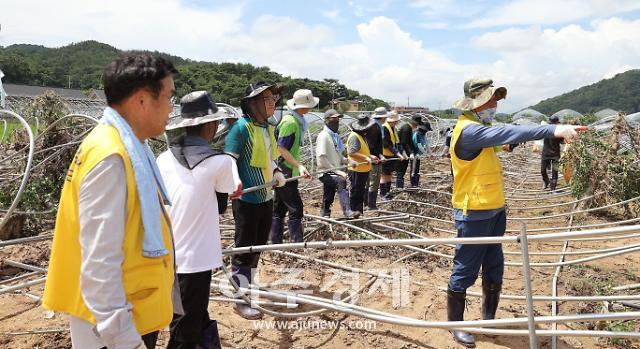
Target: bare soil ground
19 313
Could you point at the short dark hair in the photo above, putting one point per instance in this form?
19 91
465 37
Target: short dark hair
127 74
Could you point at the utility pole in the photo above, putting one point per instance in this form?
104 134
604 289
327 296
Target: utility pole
69 81
407 101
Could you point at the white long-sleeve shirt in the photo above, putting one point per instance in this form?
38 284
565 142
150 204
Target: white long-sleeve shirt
102 204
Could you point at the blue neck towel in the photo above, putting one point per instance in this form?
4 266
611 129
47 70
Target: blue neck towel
148 182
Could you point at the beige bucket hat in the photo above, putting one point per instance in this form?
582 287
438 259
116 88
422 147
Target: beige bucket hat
477 92
393 116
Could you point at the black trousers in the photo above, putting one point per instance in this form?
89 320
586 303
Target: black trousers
331 183
187 329
287 199
253 224
357 191
390 166
549 164
149 340
401 168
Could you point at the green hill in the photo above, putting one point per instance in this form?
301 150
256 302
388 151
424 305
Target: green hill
622 93
83 63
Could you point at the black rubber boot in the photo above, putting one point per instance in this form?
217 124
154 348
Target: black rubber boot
373 197
295 230
383 190
490 298
415 181
277 227
455 312
399 182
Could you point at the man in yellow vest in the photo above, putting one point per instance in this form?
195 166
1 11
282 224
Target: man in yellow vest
478 196
111 266
391 151
361 158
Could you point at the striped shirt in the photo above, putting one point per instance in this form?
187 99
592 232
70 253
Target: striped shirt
239 144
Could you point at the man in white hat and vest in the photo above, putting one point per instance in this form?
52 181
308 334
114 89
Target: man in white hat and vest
111 267
291 132
391 151
251 141
199 181
478 195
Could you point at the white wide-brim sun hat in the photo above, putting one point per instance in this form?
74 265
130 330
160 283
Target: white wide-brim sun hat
302 99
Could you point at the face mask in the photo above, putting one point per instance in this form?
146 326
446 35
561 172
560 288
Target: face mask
334 126
486 115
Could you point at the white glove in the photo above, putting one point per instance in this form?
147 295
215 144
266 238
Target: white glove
303 171
411 157
568 132
279 178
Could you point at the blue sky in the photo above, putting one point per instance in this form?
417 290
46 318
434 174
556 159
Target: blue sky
421 49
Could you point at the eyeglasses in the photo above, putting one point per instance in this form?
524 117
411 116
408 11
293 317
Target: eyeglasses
271 98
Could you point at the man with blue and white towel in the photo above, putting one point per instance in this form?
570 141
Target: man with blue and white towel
111 266
330 152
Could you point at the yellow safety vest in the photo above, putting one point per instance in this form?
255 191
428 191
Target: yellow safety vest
147 281
478 183
364 150
394 139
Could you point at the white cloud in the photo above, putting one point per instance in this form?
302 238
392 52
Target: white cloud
434 25
384 60
526 12
363 7
544 63
163 25
333 15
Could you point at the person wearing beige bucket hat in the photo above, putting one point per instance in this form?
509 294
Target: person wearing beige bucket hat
374 139
291 132
390 150
478 195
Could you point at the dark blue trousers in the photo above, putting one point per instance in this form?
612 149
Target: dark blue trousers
469 258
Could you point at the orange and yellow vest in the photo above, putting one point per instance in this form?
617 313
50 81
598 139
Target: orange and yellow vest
364 150
477 183
394 139
147 281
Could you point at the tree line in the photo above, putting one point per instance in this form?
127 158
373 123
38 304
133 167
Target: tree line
621 93
80 66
